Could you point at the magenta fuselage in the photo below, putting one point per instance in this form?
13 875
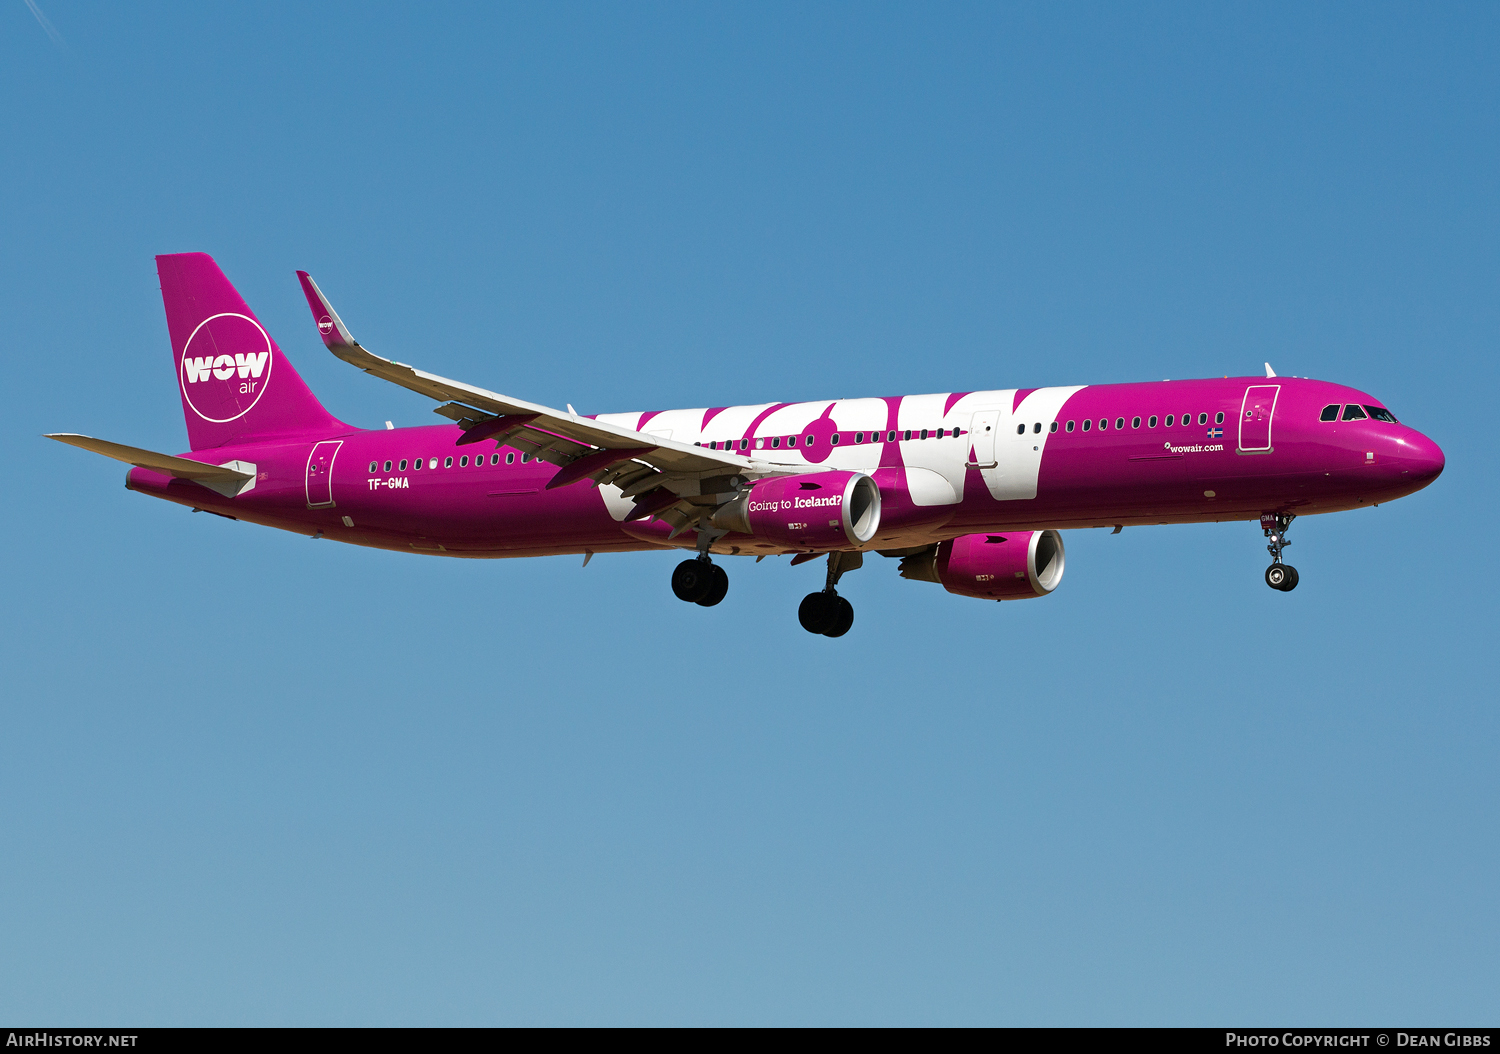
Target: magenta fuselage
947 465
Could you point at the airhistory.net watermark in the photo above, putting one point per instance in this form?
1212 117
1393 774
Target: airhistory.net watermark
70 1039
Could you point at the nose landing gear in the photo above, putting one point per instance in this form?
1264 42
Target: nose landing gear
827 613
1279 575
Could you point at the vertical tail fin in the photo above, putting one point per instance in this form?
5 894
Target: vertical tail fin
235 382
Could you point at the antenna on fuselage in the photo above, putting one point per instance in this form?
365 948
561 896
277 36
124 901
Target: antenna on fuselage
1270 372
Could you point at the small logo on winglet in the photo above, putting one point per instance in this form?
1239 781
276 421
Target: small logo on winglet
325 325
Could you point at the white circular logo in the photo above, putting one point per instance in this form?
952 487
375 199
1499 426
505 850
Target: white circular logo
225 367
325 325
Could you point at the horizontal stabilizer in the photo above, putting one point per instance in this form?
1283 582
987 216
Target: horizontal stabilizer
225 479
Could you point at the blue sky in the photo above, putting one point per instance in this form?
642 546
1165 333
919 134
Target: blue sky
252 779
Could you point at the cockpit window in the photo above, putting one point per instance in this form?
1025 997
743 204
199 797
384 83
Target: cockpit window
1380 413
1330 413
1354 413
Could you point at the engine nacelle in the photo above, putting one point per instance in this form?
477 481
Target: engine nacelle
1016 565
816 510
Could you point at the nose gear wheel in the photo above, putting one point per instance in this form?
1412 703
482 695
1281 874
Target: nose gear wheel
1279 575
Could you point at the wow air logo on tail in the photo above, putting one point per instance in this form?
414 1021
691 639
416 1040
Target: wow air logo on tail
226 367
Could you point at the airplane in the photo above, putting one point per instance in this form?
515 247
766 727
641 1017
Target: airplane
966 489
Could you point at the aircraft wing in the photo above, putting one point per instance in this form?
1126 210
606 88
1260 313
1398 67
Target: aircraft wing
225 479
606 453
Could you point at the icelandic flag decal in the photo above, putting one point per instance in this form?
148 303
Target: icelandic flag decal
1216 433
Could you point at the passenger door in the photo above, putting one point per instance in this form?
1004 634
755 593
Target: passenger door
320 474
1255 418
982 430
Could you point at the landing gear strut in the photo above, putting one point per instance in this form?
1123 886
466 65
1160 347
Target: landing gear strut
827 613
1279 575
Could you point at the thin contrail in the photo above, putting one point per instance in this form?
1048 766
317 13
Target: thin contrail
42 20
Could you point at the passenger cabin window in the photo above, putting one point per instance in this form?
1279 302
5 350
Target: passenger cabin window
834 439
776 443
374 466
510 459
494 459
1103 423
1169 420
432 463
1036 429
890 437
1151 421
1070 426
1219 418
1203 419
387 466
1087 424
403 464
1380 413
859 437
1353 413
1119 422
447 462
1135 422
463 462
1050 428
417 464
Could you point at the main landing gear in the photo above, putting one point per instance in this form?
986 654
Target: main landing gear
700 581
827 613
1279 575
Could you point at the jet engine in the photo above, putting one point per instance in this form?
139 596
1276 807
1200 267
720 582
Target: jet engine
1015 565
813 511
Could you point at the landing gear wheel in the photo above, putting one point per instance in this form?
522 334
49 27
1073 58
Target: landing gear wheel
694 579
843 617
1279 575
718 586
1282 577
817 612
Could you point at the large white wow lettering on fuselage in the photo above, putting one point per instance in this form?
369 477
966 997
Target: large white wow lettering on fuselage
995 434
1010 436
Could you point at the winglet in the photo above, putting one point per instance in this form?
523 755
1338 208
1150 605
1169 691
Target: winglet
1269 372
330 327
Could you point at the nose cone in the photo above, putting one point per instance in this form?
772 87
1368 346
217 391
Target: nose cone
1421 458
